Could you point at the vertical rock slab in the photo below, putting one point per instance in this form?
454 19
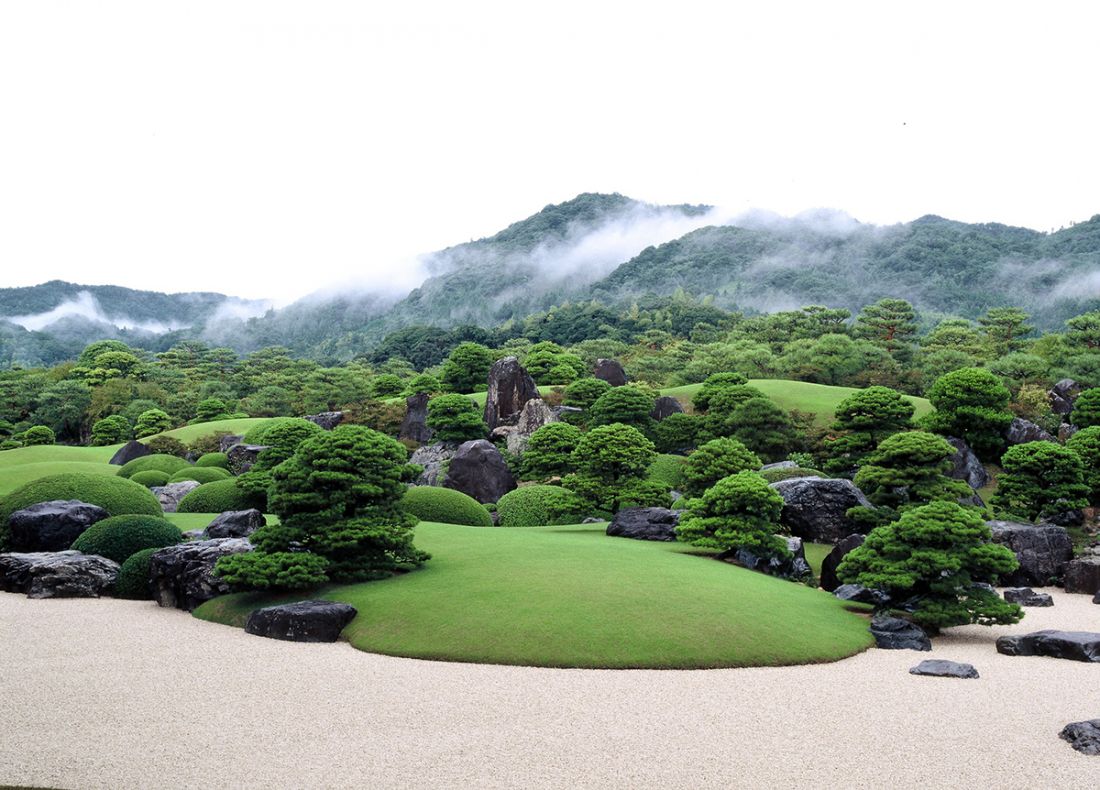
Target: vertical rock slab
510 387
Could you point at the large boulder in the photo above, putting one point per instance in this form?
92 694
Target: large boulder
433 459
243 456
1025 596
478 470
645 523
326 419
1062 395
1083 575
57 574
171 494
234 524
1044 551
815 508
665 406
611 371
183 577
1021 431
510 387
829 580
414 427
534 415
128 452
53 525
939 668
305 621
859 594
1084 736
893 633
793 567
966 466
1071 645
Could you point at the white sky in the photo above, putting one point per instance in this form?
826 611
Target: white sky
266 149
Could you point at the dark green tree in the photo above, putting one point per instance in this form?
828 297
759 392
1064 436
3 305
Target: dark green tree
740 511
713 461
764 428
549 451
889 323
37 434
1086 409
628 405
387 385
582 393
283 438
1040 479
721 405
1086 443
972 405
455 418
111 430
678 433
211 409
151 422
611 463
714 384
467 368
1004 329
864 419
62 409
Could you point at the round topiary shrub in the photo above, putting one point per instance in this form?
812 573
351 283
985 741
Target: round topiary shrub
150 478
119 537
257 434
540 506
218 497
787 472
445 505
133 577
158 461
218 460
200 474
116 495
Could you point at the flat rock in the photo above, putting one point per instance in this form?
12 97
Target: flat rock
645 523
860 594
478 470
1083 575
171 494
1025 596
940 668
57 574
815 508
665 406
182 576
965 465
1044 551
1084 736
433 459
829 580
414 427
326 419
510 387
1071 645
53 525
128 452
893 633
306 621
235 524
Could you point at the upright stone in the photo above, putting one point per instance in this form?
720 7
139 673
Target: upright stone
534 415
129 451
666 406
611 371
1062 395
510 387
1043 550
414 427
433 459
966 466
478 470
326 419
829 580
1083 575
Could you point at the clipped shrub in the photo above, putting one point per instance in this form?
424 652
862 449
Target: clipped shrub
116 495
166 445
119 537
200 474
668 470
714 460
218 460
158 461
37 434
133 577
150 478
549 451
678 433
539 506
714 384
218 497
455 418
152 422
111 430
445 505
788 472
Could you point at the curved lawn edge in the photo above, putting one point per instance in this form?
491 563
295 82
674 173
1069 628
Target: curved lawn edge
571 597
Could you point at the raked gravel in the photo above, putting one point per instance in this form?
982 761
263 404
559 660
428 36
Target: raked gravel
121 694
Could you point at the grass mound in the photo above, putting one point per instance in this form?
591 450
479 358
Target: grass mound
200 474
539 506
150 478
120 537
158 462
217 497
188 434
217 460
787 472
445 505
573 597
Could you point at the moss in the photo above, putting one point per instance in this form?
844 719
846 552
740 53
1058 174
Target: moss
133 577
220 460
218 497
787 472
200 474
119 537
150 478
158 461
668 470
538 506
445 505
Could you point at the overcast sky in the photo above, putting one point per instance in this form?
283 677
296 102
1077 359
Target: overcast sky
266 149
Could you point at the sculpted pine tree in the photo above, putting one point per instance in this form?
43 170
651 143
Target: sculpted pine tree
972 405
467 368
455 418
611 463
738 512
340 520
889 323
1040 479
713 461
713 384
865 418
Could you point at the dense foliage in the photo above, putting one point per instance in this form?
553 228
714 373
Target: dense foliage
218 497
1040 479
713 461
538 506
133 580
738 512
455 418
119 537
169 464
445 505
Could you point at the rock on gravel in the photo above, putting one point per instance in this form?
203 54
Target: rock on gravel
645 523
235 524
183 576
305 621
57 574
53 525
1071 645
1083 575
893 633
944 669
1084 736
1044 551
1025 596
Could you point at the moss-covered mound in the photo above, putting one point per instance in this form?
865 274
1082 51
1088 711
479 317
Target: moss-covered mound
150 478
218 497
133 577
169 464
446 506
787 472
667 470
258 434
200 474
119 537
539 506
219 460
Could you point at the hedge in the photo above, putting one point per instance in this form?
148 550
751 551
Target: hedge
445 505
133 577
158 461
538 506
119 537
200 474
218 497
150 478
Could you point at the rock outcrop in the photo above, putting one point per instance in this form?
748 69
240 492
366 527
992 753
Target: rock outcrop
183 577
243 456
510 387
170 495
793 567
829 580
57 574
128 452
1071 645
326 419
893 633
665 406
611 371
1062 395
477 469
966 466
1021 431
433 459
234 524
645 523
1025 596
53 525
1044 551
1083 575
815 508
414 427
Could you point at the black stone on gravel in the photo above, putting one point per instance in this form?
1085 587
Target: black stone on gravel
1084 736
944 669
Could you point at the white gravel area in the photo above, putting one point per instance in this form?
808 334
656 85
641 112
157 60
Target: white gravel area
121 694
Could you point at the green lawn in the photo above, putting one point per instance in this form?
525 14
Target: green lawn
190 433
573 597
816 554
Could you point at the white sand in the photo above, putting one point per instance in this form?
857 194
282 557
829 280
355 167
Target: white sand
105 693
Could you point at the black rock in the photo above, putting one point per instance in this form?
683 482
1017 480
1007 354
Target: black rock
433 459
1084 736
1021 431
815 508
243 456
326 419
944 669
829 580
645 523
859 594
665 406
510 386
415 425
307 621
1067 518
1062 395
170 495
795 567
1071 645
478 470
57 574
893 633
611 371
53 525
225 442
128 452
966 466
1083 575
1025 596
183 577
1096 598
235 524
1044 551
